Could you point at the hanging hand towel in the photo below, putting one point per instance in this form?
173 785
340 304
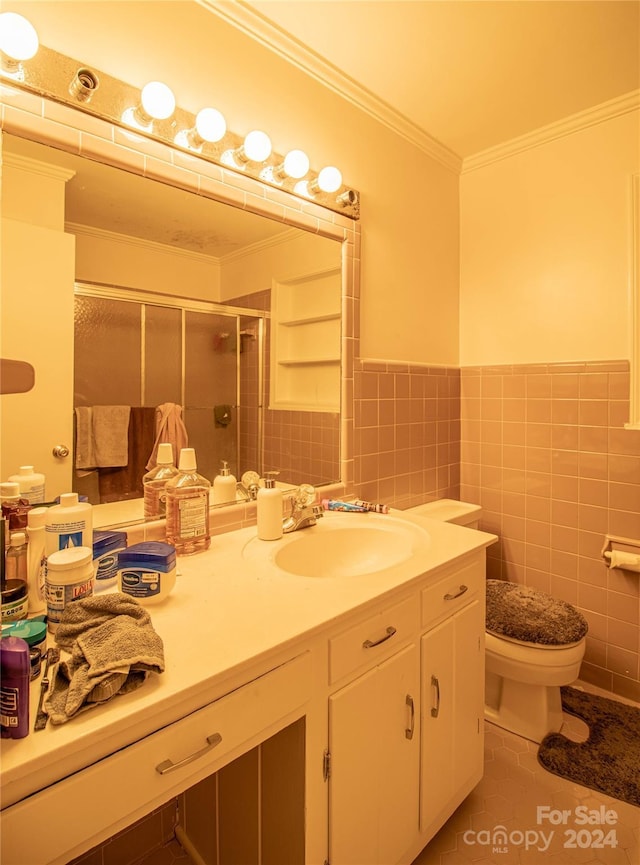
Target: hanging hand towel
85 456
113 648
169 428
111 435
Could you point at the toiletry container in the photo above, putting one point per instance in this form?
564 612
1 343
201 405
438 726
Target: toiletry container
224 486
15 672
31 484
69 524
14 506
15 599
106 546
36 560
69 578
32 631
155 482
188 507
147 571
269 511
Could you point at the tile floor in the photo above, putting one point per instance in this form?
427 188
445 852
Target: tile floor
513 787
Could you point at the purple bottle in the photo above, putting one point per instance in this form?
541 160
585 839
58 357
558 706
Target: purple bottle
14 687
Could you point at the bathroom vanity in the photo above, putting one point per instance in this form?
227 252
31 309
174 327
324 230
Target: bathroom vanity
377 669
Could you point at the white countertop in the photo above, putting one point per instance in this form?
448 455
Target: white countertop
229 619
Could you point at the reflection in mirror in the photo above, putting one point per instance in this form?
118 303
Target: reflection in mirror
176 297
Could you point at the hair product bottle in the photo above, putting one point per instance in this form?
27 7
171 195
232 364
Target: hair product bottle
188 507
155 481
31 484
69 524
15 602
69 578
36 560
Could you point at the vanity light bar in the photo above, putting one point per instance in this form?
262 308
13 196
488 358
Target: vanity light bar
64 80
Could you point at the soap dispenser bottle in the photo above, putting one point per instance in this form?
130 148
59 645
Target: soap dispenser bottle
224 486
269 511
188 507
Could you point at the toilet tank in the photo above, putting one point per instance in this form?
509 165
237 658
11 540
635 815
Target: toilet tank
450 511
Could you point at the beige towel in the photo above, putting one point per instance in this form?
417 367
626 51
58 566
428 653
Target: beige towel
169 428
113 648
111 435
85 456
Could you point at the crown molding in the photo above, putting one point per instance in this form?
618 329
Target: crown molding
36 166
148 245
567 126
254 25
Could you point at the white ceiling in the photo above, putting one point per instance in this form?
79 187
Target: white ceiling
470 73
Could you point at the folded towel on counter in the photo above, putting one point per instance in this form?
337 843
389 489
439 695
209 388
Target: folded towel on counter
113 648
111 434
169 428
85 456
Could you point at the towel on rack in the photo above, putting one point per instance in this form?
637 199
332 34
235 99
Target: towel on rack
85 456
113 648
169 428
111 434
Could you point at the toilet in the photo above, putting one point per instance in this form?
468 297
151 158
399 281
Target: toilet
533 644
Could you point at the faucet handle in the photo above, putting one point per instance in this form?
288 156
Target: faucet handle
305 495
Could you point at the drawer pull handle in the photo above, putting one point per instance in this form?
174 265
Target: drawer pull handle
369 644
412 717
460 591
435 684
169 766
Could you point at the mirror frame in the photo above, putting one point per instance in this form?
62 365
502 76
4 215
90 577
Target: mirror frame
45 121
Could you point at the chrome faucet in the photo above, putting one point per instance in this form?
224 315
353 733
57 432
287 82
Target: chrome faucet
249 485
303 510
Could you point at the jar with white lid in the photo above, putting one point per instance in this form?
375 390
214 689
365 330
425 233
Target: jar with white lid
70 577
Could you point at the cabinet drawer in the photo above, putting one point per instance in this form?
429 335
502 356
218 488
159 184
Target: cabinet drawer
129 784
373 639
450 593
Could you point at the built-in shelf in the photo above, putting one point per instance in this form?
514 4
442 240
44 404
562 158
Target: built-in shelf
305 349
309 361
295 322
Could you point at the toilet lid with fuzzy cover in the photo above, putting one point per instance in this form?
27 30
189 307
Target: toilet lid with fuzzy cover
530 616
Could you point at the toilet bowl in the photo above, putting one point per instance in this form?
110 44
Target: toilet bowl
534 644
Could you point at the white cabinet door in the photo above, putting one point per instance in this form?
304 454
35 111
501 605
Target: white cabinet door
452 709
374 745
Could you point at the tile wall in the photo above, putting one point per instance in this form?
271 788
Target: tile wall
406 432
544 451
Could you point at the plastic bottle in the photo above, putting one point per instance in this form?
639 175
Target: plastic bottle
14 507
155 481
31 484
269 511
224 486
15 672
69 578
36 560
14 591
188 507
69 524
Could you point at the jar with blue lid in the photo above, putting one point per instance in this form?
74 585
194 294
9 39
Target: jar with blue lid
106 546
147 571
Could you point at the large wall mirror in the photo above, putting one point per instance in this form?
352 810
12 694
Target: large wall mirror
174 299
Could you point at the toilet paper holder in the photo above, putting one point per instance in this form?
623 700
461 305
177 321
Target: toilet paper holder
621 553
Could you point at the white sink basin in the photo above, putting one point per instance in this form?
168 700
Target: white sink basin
342 545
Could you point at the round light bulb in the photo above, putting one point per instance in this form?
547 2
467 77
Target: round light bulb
157 100
296 164
329 179
257 146
210 124
18 38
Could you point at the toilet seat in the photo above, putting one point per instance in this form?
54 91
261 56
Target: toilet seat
531 617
